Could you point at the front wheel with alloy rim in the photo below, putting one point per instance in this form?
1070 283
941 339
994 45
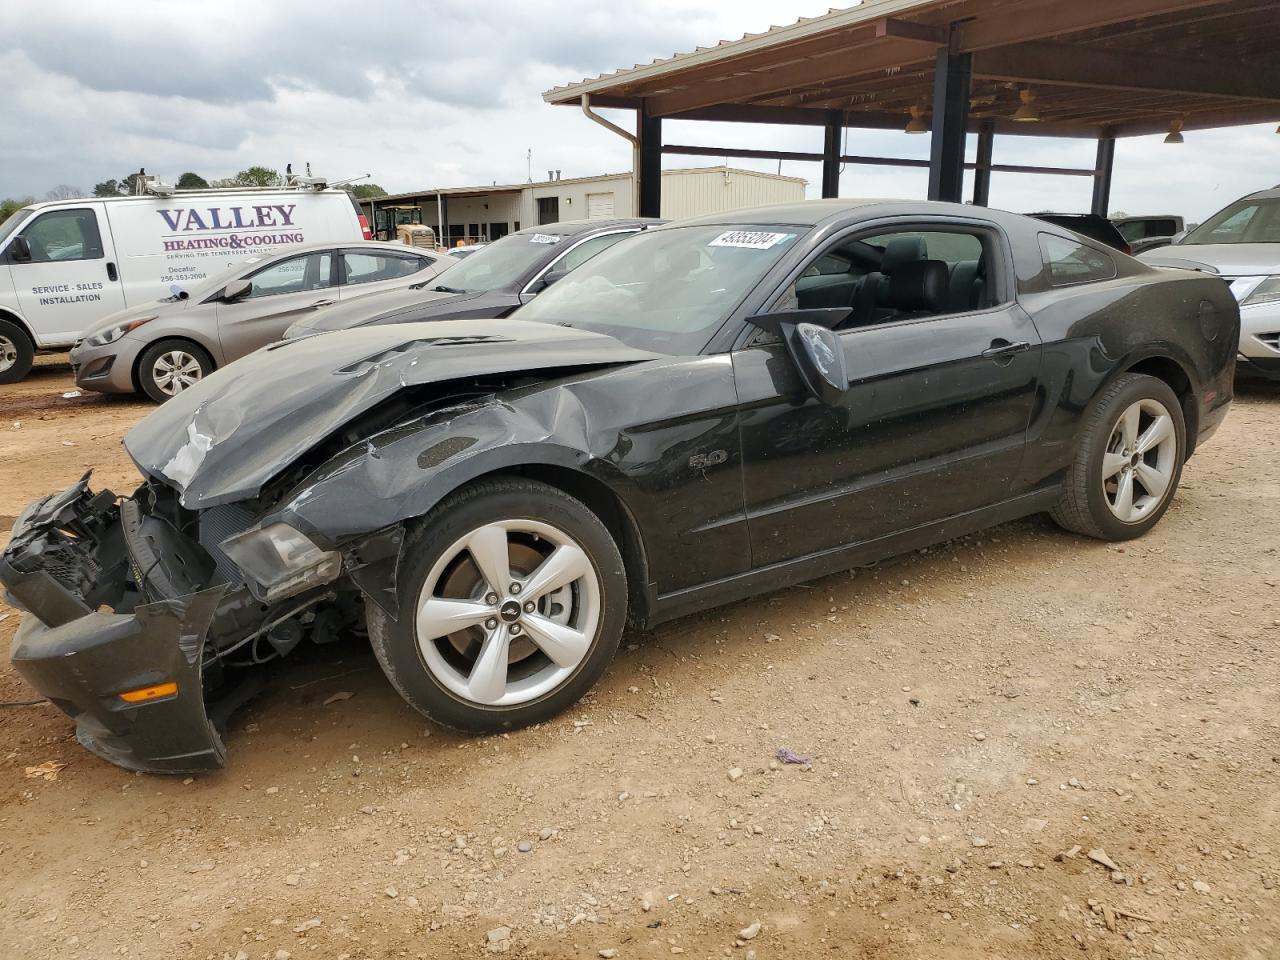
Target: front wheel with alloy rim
512 597
167 368
1128 463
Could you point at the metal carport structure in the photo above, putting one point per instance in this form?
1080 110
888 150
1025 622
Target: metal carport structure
1099 69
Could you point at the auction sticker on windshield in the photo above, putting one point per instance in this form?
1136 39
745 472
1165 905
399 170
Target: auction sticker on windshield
749 239
545 238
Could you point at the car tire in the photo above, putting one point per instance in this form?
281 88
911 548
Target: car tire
457 677
184 362
17 352
1128 462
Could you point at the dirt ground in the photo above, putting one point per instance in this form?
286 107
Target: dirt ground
979 716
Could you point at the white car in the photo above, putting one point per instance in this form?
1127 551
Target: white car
1241 243
66 264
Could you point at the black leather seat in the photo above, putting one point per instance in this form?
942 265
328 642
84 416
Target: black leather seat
922 287
870 295
965 287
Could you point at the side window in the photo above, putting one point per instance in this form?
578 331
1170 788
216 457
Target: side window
586 250
1071 262
896 276
1133 230
64 235
296 275
828 264
372 267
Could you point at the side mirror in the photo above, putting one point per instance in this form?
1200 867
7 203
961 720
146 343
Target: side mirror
547 279
237 289
1178 237
814 348
20 250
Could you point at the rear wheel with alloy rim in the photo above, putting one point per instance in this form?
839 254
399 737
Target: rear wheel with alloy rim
1128 463
169 367
512 598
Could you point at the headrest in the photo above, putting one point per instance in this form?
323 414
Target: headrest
922 285
964 285
902 250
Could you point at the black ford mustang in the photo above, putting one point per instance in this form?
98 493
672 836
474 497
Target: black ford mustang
713 409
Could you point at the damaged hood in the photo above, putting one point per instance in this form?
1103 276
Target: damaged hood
223 439
391 306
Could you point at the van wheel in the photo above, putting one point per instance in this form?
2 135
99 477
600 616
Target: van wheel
17 352
171 366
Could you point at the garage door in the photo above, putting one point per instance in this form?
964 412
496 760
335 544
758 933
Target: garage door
599 206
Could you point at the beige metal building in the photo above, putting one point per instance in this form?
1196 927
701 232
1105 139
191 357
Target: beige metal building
476 214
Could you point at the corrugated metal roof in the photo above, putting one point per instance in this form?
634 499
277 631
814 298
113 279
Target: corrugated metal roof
1092 67
834 19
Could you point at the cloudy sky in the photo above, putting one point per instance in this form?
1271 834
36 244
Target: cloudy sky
448 93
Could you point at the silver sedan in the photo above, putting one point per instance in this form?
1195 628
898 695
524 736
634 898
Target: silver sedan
161 348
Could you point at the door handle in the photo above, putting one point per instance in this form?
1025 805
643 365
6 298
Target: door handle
111 272
1004 350
323 303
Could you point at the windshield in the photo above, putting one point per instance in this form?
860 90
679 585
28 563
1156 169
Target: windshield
12 223
1245 221
502 262
667 290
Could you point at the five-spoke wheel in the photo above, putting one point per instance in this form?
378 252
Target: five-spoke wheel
512 597
1128 461
508 611
1139 465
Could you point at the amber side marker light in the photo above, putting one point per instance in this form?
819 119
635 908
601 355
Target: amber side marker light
156 692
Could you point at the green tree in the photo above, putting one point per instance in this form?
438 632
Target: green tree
117 188
363 191
192 181
253 177
9 206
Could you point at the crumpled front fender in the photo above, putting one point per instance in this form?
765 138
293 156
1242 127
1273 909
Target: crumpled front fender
406 471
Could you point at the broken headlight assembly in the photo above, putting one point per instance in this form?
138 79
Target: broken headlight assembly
281 561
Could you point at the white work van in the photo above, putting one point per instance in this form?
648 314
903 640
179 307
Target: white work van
66 264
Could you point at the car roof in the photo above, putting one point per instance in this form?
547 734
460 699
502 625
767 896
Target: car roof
372 245
820 212
1272 194
795 213
575 228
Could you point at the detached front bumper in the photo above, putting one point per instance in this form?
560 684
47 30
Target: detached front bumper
131 681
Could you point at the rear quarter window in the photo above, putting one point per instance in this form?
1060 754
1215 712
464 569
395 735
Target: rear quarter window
1068 262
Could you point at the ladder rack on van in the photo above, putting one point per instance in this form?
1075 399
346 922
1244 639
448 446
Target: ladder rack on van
146 185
